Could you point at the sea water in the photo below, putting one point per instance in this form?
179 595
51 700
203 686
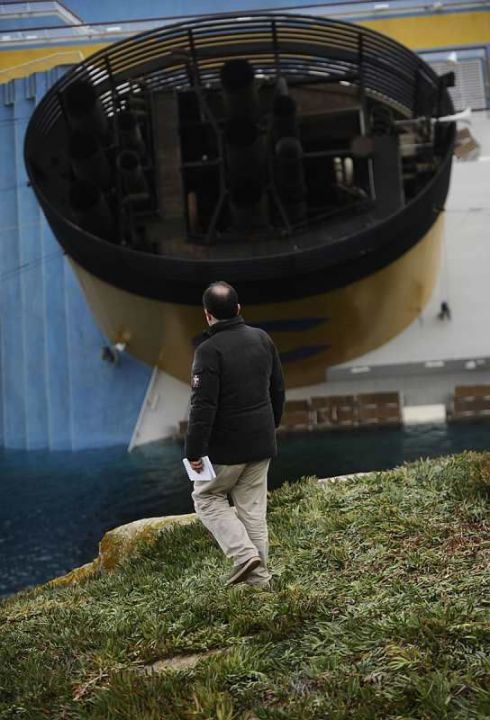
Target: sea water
55 506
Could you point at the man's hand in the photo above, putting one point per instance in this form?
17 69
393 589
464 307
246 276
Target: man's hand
197 465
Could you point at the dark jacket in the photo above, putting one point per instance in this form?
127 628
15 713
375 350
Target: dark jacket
237 395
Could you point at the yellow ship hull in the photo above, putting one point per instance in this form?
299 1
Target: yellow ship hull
339 325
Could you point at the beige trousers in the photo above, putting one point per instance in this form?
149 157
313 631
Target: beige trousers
241 534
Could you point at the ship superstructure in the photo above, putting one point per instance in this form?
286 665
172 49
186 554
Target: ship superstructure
302 159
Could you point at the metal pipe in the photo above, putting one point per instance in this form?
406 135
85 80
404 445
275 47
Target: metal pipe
290 177
88 160
285 121
130 131
84 109
239 89
245 148
91 210
246 155
133 177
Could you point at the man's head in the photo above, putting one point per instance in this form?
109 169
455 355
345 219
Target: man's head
220 301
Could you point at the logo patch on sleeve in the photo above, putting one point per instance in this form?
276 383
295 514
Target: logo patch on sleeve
196 381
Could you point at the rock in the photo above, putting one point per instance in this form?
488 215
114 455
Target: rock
336 478
77 574
178 662
118 544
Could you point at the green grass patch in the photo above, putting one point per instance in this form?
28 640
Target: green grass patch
380 609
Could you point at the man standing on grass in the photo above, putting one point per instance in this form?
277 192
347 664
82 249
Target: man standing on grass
236 405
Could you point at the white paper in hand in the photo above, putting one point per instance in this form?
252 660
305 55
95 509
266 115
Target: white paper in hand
206 474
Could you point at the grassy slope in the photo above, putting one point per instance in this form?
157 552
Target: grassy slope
381 610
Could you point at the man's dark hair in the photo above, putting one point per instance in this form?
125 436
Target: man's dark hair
221 300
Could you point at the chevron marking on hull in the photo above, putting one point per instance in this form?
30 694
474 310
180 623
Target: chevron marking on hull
290 324
301 353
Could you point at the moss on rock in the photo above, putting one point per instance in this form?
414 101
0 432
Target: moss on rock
121 542
77 574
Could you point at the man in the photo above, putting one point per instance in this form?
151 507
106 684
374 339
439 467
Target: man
236 405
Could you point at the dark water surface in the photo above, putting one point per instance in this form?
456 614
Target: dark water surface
55 507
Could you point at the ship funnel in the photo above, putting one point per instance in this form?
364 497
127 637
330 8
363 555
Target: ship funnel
91 210
88 159
84 109
240 90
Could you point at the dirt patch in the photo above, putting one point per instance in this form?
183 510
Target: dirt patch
469 537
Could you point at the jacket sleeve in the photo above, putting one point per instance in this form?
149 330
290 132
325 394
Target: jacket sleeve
204 401
276 386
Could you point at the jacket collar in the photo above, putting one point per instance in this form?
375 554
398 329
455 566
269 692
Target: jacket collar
224 325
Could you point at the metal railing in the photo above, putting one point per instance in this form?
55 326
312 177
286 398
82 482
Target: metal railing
318 48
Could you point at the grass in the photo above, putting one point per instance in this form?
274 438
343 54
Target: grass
381 609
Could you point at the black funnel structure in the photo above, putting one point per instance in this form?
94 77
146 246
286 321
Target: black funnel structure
246 156
84 109
88 159
135 184
240 90
91 210
290 178
293 155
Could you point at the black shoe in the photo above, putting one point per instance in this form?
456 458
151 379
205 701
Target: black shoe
240 572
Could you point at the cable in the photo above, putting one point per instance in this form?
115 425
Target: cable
13 272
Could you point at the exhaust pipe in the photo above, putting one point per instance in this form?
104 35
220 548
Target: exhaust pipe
285 122
91 210
290 178
135 185
88 160
84 109
130 132
240 90
246 155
